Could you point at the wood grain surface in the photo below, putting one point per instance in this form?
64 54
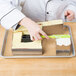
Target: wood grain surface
39 67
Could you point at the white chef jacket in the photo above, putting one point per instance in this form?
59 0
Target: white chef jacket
12 11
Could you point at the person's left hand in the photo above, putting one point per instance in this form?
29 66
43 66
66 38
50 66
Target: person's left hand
69 14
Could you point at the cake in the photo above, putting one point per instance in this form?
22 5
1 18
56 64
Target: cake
24 47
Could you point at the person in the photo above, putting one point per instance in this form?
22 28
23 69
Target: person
28 12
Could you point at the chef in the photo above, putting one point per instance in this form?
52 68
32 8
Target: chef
28 12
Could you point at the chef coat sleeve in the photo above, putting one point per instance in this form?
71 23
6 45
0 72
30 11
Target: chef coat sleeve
9 15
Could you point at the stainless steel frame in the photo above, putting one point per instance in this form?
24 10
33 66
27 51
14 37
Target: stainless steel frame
5 40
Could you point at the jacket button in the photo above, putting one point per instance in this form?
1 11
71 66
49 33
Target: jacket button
47 12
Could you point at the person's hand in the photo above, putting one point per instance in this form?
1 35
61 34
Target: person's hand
33 29
69 14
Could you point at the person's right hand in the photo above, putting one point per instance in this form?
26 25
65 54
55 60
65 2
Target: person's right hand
33 29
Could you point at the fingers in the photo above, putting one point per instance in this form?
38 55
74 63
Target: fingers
35 38
67 12
32 38
44 34
70 15
38 37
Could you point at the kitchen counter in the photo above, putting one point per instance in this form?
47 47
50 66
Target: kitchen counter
39 67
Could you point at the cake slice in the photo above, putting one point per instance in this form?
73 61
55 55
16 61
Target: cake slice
63 46
25 48
51 23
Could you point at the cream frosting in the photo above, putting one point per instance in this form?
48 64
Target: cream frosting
63 41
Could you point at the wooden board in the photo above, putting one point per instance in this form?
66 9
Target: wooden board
39 67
